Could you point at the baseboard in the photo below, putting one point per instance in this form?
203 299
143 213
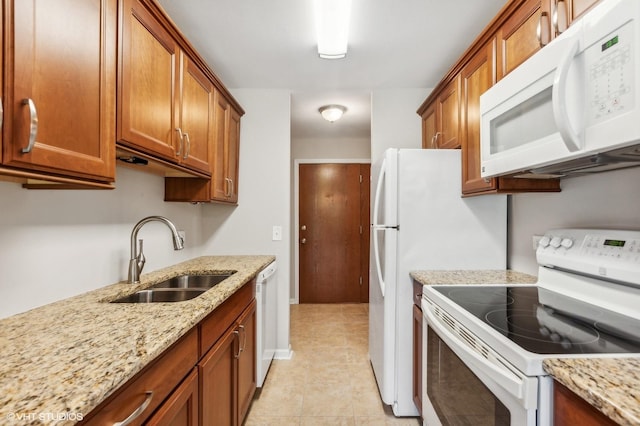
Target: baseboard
284 353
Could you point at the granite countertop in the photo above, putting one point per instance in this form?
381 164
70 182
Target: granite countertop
472 277
611 385
63 359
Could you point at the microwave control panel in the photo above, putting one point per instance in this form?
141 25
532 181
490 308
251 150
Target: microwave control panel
610 72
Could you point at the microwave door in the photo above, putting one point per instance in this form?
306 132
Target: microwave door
526 117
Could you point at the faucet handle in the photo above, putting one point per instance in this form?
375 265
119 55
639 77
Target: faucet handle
140 259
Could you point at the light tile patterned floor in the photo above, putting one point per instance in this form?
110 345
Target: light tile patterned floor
329 380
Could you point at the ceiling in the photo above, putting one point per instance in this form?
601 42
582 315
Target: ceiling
270 44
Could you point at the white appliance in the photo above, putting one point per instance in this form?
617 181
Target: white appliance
484 345
574 106
266 296
420 221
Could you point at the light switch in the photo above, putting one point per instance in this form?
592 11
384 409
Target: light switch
277 233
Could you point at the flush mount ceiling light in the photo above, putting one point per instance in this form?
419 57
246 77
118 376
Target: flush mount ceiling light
332 27
332 112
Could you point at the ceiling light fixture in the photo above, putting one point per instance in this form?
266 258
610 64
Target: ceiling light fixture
332 27
332 113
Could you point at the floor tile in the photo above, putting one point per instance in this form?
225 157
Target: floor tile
329 380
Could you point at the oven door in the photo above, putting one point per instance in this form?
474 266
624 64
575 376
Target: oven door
465 382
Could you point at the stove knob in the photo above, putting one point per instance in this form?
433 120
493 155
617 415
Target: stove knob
567 243
544 241
555 242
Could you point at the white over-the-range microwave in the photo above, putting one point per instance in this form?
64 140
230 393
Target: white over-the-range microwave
574 106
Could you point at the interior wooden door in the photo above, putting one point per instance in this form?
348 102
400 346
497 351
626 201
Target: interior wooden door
332 220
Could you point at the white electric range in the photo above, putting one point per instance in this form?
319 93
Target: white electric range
485 344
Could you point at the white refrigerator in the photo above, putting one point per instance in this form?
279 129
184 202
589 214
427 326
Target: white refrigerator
421 222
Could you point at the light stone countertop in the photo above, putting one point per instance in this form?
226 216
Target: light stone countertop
67 357
611 385
472 277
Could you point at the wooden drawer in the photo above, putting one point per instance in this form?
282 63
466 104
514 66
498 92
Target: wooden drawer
214 325
160 377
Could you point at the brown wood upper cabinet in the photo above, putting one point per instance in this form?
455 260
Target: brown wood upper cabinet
441 119
224 157
165 102
59 90
224 181
508 40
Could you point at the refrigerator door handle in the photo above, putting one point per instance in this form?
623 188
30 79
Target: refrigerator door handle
376 255
376 202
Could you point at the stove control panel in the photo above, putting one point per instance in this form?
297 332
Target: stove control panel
608 254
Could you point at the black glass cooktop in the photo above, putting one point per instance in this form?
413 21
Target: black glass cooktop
545 322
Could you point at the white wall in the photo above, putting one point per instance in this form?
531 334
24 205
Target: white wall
340 148
59 243
264 194
607 200
394 121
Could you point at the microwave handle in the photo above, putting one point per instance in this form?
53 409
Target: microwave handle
570 137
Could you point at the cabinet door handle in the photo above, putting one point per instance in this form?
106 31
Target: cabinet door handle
1 114
544 17
227 190
556 23
233 188
434 140
187 150
237 354
181 138
33 126
137 411
244 337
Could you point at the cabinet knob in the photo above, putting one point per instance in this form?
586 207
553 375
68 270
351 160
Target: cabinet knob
303 241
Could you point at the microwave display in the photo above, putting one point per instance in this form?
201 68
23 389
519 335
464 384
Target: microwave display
610 43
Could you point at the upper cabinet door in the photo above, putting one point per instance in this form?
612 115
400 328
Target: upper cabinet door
233 154
517 38
149 80
60 71
477 77
196 116
448 116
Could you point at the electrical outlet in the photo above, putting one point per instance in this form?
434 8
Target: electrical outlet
182 235
277 233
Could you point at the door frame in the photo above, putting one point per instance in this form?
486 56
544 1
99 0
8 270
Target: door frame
296 213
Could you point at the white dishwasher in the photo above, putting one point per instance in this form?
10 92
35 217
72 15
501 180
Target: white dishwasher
266 295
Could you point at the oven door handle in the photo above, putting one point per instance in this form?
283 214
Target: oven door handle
507 379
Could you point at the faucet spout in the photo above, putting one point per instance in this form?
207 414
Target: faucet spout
137 260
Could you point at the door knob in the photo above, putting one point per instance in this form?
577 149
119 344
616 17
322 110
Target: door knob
303 241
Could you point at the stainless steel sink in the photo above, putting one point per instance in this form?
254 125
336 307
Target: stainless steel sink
196 281
161 295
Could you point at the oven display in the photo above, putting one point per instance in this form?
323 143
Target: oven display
614 243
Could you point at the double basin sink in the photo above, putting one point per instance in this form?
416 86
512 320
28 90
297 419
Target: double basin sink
176 289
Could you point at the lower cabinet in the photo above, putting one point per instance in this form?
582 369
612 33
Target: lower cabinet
417 346
207 378
569 409
228 373
181 408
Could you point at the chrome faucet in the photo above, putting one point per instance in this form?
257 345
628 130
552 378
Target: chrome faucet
137 261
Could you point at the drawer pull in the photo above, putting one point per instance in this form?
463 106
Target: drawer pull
138 410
